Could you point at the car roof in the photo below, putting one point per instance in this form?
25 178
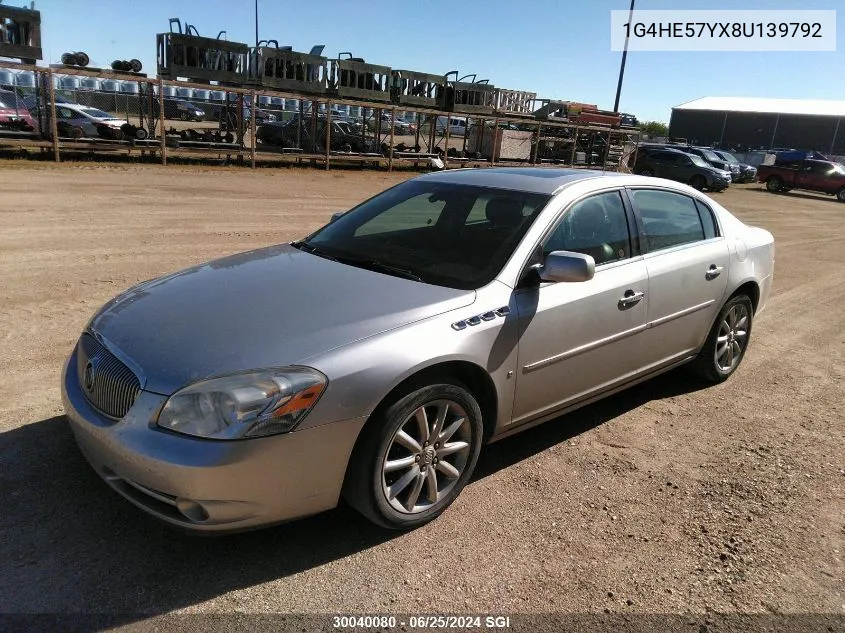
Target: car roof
657 148
527 179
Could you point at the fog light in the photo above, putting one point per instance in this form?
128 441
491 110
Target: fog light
192 510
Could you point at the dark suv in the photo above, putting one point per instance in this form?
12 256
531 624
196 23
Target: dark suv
676 165
711 157
747 173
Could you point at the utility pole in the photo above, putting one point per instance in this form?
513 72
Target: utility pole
256 23
624 57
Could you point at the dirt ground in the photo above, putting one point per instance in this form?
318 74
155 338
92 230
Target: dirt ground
666 498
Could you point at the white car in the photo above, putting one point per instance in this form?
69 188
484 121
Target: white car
76 121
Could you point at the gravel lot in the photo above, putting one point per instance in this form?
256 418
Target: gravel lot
667 498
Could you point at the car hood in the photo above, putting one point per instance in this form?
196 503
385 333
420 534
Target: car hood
265 308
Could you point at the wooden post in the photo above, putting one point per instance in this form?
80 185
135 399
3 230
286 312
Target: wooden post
446 147
574 147
54 128
328 132
495 140
161 121
392 132
537 145
252 127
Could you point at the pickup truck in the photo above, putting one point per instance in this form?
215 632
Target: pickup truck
823 176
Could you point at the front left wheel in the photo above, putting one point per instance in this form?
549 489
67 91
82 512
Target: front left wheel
415 456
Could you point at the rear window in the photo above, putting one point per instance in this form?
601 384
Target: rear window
669 219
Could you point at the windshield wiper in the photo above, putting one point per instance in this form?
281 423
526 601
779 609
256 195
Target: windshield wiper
380 267
314 250
368 264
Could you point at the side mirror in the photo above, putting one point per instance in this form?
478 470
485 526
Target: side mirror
336 216
567 266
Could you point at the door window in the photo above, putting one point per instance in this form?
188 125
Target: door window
596 226
669 219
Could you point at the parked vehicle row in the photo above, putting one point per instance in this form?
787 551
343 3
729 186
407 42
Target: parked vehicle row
674 164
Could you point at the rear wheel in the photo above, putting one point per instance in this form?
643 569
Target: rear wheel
840 195
698 182
727 341
774 184
414 458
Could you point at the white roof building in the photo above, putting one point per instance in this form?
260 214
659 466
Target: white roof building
812 107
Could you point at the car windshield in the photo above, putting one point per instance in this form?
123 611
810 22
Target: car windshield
449 235
711 156
729 157
98 114
838 168
698 161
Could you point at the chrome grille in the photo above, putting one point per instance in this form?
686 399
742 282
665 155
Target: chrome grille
109 385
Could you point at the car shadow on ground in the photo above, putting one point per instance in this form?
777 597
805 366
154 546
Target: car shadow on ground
71 545
796 194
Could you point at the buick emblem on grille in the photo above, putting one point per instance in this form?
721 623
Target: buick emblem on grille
88 377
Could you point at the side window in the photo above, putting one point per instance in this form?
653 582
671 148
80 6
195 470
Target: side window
413 213
596 226
707 220
669 219
64 113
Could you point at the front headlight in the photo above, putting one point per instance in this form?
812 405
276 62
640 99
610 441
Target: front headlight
244 405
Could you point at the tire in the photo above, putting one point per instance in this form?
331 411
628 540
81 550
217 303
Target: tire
712 364
774 184
141 134
420 469
698 182
840 195
184 116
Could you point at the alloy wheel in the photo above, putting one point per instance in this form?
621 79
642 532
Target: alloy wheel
732 338
426 456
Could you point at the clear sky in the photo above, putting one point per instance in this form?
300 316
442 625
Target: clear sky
556 48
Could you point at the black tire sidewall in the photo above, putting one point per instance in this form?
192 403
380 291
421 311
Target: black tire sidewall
706 360
366 493
774 184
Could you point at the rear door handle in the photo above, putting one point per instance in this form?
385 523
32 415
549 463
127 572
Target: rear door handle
714 271
630 298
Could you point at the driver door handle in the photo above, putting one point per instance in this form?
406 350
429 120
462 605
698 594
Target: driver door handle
630 298
714 271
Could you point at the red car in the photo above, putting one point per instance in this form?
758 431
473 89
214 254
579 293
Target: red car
823 176
13 113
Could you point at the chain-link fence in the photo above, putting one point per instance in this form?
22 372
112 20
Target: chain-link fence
68 110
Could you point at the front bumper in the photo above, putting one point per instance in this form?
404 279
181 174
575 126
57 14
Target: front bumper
210 485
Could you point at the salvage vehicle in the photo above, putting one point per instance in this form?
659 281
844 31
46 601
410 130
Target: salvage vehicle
79 120
822 176
343 137
375 358
14 114
746 172
712 158
180 109
677 165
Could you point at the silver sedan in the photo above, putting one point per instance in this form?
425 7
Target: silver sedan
375 358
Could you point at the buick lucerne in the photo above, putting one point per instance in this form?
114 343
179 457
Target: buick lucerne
373 359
